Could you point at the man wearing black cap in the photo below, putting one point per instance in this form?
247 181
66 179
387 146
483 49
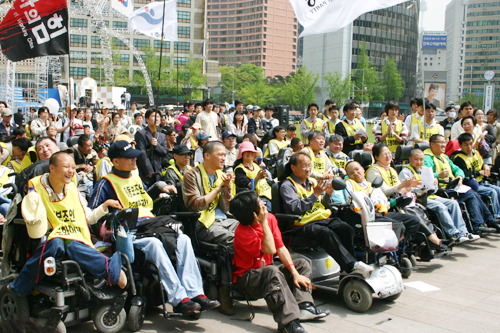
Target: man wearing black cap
202 141
184 287
175 172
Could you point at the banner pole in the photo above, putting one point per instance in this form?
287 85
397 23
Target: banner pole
161 54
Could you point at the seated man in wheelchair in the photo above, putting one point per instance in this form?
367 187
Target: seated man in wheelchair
68 215
471 162
445 171
321 163
286 288
447 210
302 195
184 287
176 171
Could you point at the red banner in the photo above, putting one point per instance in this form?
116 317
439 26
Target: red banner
34 28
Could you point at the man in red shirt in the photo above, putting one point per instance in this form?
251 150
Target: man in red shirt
286 288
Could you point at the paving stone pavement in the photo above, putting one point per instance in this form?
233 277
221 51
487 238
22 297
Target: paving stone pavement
469 301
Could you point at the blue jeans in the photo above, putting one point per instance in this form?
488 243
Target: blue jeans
449 214
87 257
493 192
4 205
186 282
478 211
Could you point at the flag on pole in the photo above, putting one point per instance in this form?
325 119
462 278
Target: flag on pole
35 28
321 16
148 20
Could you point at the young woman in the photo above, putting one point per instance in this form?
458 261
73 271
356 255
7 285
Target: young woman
90 121
311 123
237 127
252 138
490 136
115 128
469 123
247 169
275 145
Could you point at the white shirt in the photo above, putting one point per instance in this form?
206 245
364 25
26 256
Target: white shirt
209 122
408 119
415 133
457 129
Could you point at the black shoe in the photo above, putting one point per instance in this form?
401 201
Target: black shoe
486 229
403 201
309 312
450 241
187 306
495 226
439 248
206 304
293 327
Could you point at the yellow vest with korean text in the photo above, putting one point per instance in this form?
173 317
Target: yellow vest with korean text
66 216
131 193
441 164
428 132
318 212
390 177
262 187
339 162
358 188
207 217
318 163
318 126
475 161
390 140
351 129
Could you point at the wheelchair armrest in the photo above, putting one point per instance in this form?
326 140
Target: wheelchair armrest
288 217
186 215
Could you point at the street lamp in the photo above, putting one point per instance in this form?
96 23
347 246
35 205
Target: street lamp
232 91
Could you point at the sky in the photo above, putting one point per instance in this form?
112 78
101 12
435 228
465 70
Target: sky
434 16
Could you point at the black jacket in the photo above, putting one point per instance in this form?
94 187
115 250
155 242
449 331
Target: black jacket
154 156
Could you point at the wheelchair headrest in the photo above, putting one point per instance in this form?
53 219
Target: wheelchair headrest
422 146
364 158
276 198
72 141
403 153
239 139
353 153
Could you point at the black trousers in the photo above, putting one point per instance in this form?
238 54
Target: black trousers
410 222
333 235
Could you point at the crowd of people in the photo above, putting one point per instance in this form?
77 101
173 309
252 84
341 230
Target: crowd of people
220 161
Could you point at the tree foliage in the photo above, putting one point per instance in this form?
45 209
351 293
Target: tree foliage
191 76
366 77
392 82
477 101
300 90
338 88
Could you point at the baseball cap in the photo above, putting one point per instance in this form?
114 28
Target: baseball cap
72 107
6 112
35 215
182 150
202 136
123 149
64 148
105 106
227 134
196 125
120 107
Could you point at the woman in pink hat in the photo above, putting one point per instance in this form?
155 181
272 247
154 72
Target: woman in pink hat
246 169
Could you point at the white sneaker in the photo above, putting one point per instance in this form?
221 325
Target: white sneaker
473 238
363 269
462 239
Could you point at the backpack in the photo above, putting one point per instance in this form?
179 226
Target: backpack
164 228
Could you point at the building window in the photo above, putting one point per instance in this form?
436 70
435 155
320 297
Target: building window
78 40
95 42
181 61
78 23
95 58
78 57
117 43
181 47
96 74
184 3
121 59
166 45
141 43
183 32
120 25
78 72
183 17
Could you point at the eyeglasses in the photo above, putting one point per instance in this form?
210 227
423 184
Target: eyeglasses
305 167
441 142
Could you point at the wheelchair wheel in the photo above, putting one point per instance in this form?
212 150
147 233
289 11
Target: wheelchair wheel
103 323
406 267
425 254
358 295
135 317
13 307
195 316
413 260
213 293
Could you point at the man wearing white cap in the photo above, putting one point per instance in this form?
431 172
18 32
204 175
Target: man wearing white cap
125 120
66 211
5 125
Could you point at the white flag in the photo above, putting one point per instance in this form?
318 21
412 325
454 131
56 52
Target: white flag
321 16
148 20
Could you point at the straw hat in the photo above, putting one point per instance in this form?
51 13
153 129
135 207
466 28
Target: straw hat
35 215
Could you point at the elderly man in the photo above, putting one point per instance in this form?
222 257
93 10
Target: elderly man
85 158
207 189
302 195
184 287
69 236
6 126
337 157
444 170
175 172
125 120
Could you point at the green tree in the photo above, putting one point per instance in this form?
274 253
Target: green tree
477 101
300 90
190 76
366 78
226 82
392 82
152 63
338 88
258 93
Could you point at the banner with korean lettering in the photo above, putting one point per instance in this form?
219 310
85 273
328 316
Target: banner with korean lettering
34 28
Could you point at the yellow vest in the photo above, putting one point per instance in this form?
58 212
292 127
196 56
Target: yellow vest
339 162
98 165
67 216
131 194
415 120
318 212
4 178
262 187
28 131
280 145
177 172
331 126
7 160
207 217
428 132
351 129
15 166
318 163
418 177
318 126
390 140
194 142
358 188
27 161
441 164
390 177
475 161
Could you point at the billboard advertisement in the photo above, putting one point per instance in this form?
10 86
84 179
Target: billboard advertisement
434 41
435 93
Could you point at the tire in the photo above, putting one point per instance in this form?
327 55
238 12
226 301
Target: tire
414 261
424 254
213 292
392 298
195 316
135 318
13 307
60 328
406 266
358 295
102 324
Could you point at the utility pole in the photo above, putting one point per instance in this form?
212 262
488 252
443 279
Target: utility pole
232 90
